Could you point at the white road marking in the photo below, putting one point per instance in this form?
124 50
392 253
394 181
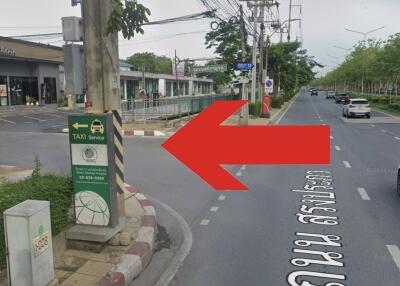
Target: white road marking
321 120
363 193
372 125
395 253
55 116
222 198
239 173
383 130
397 138
324 124
338 148
243 167
331 137
34 118
347 164
205 222
214 209
284 113
8 121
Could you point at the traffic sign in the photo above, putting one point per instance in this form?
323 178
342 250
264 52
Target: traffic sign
244 66
269 85
92 149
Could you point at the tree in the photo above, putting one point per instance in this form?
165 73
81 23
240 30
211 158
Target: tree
128 19
151 63
290 66
227 43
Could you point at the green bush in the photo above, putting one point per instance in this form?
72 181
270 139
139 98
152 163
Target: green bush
277 101
255 109
395 106
55 189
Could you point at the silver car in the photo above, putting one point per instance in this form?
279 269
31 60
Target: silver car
357 107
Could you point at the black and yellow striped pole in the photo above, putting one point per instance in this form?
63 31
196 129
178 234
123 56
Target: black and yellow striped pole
119 160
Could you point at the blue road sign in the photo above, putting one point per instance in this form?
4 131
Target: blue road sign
244 66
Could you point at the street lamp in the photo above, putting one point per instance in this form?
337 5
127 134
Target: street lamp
365 34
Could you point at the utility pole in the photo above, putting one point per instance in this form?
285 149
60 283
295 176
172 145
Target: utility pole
254 73
244 112
262 49
290 20
102 70
101 58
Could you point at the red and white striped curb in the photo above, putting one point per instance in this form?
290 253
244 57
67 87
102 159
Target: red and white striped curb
143 133
139 254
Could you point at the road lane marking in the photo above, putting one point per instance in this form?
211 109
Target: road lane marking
239 173
222 198
284 113
347 164
243 167
205 222
372 125
397 138
383 130
55 116
324 124
214 209
395 253
363 193
34 118
8 121
331 137
338 148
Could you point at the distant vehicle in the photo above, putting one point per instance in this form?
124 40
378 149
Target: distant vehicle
357 107
314 92
342 98
330 94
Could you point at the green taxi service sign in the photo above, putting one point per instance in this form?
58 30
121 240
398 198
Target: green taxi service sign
92 152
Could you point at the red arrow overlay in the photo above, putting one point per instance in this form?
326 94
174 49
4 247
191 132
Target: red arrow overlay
204 145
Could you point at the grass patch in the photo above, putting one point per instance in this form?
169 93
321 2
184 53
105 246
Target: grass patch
53 188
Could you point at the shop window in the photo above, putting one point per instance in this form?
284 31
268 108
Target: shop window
23 90
3 91
49 90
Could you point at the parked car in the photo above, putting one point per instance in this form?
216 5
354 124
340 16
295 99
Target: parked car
342 98
330 94
357 107
314 92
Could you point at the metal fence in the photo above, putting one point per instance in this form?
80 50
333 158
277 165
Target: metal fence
166 108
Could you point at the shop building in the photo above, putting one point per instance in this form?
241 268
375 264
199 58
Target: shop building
163 84
30 72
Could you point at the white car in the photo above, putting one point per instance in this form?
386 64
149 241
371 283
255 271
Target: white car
357 107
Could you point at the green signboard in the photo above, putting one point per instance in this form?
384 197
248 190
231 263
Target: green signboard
92 149
210 69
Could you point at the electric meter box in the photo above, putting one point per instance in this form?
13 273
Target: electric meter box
72 29
27 230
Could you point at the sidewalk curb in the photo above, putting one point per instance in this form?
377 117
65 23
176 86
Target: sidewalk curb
139 254
143 133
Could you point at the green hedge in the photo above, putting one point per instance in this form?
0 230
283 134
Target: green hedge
56 189
277 101
255 109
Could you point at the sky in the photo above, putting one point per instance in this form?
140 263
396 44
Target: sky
323 25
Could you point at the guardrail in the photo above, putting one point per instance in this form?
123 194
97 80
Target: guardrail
166 108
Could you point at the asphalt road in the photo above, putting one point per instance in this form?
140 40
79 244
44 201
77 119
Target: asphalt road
33 119
351 237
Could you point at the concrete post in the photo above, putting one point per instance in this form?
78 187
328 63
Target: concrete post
101 63
101 58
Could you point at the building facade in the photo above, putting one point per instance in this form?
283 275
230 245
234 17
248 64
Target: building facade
30 73
164 85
